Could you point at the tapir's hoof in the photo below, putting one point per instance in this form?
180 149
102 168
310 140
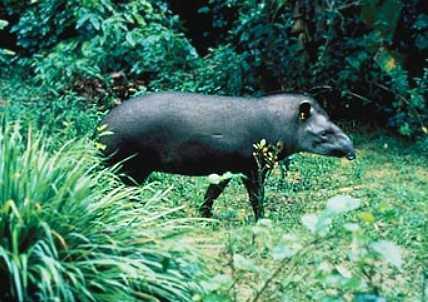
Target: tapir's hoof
206 213
259 215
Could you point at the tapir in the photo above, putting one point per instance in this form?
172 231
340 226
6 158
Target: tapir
196 135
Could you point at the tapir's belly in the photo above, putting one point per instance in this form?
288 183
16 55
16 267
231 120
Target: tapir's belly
199 157
205 165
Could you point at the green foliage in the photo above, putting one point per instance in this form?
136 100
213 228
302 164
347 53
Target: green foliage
71 232
223 71
64 117
369 257
356 56
353 55
113 49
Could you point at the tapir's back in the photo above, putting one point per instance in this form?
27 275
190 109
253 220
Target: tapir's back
182 107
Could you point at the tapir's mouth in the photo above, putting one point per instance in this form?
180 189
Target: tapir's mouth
341 153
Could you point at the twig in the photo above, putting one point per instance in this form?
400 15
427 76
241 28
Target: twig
359 96
281 265
345 6
232 269
328 87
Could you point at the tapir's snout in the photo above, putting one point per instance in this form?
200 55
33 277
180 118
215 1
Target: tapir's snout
351 155
342 147
348 149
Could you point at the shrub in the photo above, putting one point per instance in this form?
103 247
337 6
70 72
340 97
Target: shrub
364 60
358 57
221 72
64 117
102 50
71 232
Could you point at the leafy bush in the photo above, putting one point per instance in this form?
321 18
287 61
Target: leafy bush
71 232
365 60
222 72
356 56
104 51
64 117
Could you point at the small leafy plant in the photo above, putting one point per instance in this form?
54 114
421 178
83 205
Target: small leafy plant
369 263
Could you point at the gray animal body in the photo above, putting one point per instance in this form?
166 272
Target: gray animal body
194 134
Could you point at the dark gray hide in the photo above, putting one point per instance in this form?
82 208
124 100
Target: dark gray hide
193 134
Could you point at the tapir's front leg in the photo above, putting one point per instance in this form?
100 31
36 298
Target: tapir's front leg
254 182
213 191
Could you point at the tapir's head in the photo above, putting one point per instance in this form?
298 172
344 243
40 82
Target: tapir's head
318 134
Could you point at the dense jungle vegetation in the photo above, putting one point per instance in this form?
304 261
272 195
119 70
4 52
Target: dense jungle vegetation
334 230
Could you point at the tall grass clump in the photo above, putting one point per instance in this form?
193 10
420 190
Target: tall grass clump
69 231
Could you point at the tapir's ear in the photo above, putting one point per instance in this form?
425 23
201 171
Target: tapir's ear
304 110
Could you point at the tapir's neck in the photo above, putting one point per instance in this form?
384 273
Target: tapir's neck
284 124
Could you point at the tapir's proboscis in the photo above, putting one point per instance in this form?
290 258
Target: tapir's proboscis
195 135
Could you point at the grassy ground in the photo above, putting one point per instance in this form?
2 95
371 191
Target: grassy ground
390 177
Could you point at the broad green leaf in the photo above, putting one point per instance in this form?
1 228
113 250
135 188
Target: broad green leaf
317 223
281 251
7 52
351 227
217 282
95 21
388 61
342 204
421 41
130 39
389 251
367 217
421 22
242 263
416 99
204 10
405 129
368 11
82 20
3 24
310 222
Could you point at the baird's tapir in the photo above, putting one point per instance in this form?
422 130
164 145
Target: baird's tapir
195 134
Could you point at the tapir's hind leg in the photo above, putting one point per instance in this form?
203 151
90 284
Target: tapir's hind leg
212 193
134 171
